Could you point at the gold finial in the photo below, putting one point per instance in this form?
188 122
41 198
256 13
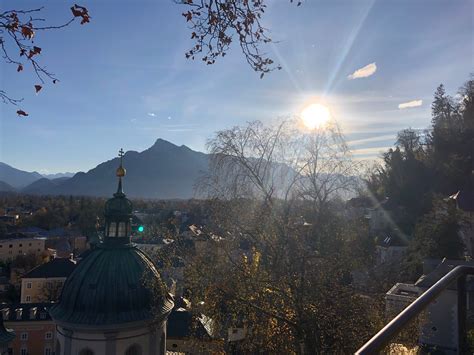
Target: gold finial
121 170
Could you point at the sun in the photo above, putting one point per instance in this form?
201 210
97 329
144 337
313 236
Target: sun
315 116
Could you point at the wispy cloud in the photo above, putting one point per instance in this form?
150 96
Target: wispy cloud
370 151
151 114
410 104
382 138
364 72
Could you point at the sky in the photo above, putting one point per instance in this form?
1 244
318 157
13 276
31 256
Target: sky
125 81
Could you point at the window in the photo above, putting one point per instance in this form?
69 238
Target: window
19 251
86 352
43 315
135 349
112 229
10 246
28 298
29 245
121 230
48 335
24 351
48 351
24 336
49 285
28 285
21 245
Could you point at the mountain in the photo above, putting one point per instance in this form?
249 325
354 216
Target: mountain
15 177
43 186
163 171
58 175
4 187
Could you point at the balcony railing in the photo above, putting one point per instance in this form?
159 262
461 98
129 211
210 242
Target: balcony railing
380 340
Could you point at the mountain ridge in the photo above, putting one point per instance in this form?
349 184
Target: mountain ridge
162 171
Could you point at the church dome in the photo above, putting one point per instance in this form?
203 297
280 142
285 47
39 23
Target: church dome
116 283
112 285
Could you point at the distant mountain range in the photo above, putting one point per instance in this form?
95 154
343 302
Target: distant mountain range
17 178
164 171
58 175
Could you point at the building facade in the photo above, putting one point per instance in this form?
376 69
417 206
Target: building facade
34 329
45 282
16 244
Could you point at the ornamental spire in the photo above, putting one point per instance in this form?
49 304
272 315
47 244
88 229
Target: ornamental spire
120 173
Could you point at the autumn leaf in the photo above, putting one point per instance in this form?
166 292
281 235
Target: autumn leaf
81 11
75 12
55 81
34 51
27 32
21 113
188 15
20 68
38 88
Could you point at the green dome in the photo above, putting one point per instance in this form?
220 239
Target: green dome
108 287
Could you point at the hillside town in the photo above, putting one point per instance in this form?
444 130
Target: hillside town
292 177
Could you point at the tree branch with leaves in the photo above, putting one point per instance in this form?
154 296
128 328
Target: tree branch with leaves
18 34
215 24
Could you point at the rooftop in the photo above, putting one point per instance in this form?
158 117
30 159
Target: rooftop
24 312
58 267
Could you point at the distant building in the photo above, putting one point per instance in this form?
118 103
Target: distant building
44 283
191 334
34 329
15 244
10 219
399 297
464 201
390 249
439 324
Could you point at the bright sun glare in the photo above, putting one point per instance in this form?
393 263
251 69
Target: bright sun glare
315 116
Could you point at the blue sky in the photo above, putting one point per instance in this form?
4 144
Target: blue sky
125 81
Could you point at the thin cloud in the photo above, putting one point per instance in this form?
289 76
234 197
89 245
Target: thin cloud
410 104
382 138
151 114
364 72
370 151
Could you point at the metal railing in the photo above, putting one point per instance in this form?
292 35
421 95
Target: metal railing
380 340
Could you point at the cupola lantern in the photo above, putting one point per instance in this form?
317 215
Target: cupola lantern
118 212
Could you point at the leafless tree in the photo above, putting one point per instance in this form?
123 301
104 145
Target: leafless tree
280 161
270 184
